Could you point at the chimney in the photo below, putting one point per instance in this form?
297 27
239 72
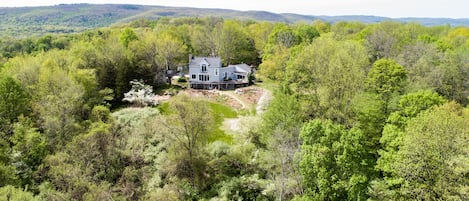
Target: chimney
190 58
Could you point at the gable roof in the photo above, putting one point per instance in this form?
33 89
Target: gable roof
241 68
212 61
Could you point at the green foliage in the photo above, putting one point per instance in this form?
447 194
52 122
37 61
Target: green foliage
306 33
283 35
28 151
279 134
386 77
14 101
164 108
347 30
92 94
188 130
100 114
244 188
11 193
72 18
274 63
368 110
328 82
234 44
259 32
412 104
451 77
169 50
127 36
60 141
335 164
57 102
7 173
321 26
432 159
182 80
284 113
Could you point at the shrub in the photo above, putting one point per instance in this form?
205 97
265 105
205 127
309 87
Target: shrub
182 79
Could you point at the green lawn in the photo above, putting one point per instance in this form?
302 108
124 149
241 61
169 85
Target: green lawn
164 108
220 112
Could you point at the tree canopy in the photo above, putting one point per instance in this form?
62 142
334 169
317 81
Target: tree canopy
338 111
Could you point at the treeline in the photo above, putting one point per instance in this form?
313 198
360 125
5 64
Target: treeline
59 140
373 112
359 112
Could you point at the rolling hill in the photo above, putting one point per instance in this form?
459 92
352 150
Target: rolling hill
67 18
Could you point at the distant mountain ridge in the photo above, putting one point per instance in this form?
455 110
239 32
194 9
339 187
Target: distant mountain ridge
65 18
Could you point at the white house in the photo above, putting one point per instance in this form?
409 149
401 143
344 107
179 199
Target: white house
208 73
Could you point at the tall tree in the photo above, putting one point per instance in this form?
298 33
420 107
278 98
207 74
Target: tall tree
328 74
386 78
259 32
284 35
189 129
169 48
306 33
384 83
432 161
127 36
203 40
394 132
451 78
335 164
281 128
57 101
144 55
234 44
28 151
14 101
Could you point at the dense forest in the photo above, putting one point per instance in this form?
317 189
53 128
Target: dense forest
359 112
21 22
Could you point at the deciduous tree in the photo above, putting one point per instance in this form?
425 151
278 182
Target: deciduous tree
14 101
335 164
189 130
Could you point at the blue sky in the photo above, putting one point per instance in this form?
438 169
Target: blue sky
386 8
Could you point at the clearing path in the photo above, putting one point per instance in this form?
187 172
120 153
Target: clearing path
231 95
244 124
263 102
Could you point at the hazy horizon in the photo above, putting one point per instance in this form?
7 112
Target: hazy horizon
384 8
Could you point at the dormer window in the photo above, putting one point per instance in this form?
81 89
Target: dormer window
204 68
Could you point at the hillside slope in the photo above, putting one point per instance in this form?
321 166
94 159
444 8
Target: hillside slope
66 18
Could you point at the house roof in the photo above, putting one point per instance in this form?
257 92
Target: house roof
241 68
212 61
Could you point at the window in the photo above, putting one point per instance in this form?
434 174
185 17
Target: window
204 77
216 71
193 76
204 68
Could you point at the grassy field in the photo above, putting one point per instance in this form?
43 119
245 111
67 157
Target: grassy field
220 112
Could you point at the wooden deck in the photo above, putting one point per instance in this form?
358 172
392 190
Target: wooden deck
227 85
